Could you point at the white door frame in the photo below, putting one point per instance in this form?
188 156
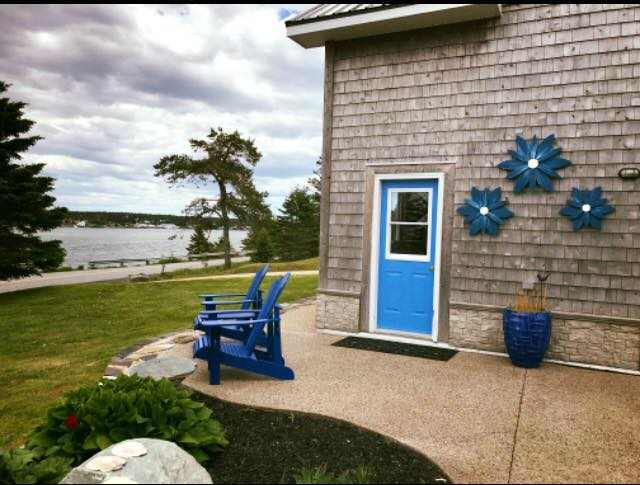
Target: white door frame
374 266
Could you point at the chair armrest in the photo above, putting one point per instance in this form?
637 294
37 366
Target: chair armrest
212 295
226 323
236 302
224 312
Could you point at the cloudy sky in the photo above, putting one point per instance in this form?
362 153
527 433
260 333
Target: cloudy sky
114 88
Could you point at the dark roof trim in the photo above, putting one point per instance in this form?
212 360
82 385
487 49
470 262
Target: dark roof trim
347 13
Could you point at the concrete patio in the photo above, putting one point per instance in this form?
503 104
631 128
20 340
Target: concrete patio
477 416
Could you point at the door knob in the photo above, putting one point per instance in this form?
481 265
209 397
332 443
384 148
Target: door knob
432 268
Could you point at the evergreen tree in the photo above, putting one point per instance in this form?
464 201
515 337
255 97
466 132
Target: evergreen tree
26 205
228 162
264 248
199 242
259 230
298 226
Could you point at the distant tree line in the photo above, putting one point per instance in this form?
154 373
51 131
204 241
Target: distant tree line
127 219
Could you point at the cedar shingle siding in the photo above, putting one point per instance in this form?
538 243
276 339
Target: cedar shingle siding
452 99
461 93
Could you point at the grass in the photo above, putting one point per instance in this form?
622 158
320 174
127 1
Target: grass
301 265
58 338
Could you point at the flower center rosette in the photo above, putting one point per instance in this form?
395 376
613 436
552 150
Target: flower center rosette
485 211
586 208
534 164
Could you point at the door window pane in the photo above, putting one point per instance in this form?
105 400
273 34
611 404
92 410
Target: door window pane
409 207
409 239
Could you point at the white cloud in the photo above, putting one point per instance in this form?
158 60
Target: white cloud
114 88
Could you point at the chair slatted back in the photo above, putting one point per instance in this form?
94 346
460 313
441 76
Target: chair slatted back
267 310
252 293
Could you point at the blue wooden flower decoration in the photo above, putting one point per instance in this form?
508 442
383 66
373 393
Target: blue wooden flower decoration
484 211
586 208
534 164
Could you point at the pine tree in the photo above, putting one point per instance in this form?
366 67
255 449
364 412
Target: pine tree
264 248
26 205
298 226
199 242
228 162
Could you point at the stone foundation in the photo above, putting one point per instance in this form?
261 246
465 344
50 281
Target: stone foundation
579 341
337 312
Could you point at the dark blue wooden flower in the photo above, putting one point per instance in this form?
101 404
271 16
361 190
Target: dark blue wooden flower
534 164
586 208
484 211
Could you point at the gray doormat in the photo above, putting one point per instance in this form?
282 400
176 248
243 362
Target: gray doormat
399 348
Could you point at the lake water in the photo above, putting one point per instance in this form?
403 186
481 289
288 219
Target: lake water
91 244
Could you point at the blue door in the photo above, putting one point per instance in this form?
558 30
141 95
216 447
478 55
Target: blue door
406 257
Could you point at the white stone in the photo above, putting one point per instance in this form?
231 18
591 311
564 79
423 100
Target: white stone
484 210
129 449
106 463
165 462
586 208
533 163
119 480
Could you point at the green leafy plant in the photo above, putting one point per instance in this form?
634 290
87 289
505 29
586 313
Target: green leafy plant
361 474
23 466
97 416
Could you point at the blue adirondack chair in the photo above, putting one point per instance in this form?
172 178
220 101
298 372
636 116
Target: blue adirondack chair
247 354
249 307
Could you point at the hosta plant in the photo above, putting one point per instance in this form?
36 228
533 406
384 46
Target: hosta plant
97 416
25 466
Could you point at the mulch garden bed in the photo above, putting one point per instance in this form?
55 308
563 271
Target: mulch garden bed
270 446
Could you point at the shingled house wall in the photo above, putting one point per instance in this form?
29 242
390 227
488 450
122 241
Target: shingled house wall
460 94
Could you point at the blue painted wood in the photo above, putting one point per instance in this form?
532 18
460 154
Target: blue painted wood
263 331
250 304
485 211
252 298
406 287
534 163
586 208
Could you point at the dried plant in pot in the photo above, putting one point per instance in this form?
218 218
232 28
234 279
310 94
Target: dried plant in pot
527 326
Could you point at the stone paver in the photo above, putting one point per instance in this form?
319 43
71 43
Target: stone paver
164 368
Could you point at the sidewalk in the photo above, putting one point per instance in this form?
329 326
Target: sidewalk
310 272
107 274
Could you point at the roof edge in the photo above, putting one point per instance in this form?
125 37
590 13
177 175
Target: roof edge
366 23
351 13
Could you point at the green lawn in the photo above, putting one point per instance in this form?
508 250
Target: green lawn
301 265
58 338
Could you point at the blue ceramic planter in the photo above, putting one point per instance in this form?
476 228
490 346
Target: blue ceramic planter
526 336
